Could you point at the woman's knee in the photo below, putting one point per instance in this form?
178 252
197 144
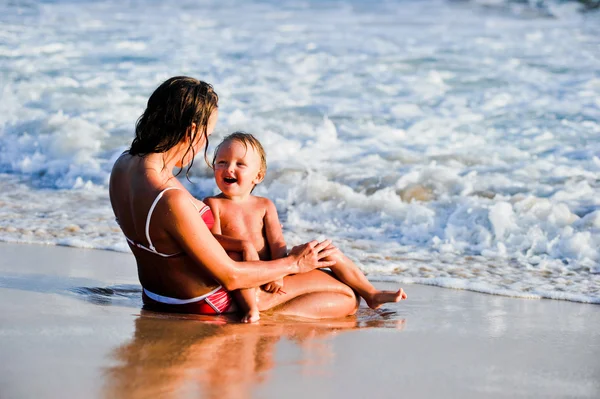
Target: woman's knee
354 301
346 290
315 282
351 297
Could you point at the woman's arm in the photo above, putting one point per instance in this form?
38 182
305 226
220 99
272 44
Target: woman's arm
186 227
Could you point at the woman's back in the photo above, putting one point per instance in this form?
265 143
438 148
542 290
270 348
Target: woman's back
141 203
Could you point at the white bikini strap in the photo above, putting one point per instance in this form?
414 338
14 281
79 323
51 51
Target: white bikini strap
204 209
158 197
137 244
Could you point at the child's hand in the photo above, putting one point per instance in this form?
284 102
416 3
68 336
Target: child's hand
274 287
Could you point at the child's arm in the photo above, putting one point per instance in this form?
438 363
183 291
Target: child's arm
274 234
277 245
245 247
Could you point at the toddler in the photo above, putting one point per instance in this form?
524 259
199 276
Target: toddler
239 165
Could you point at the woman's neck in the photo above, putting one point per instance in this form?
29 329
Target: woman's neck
162 164
164 161
158 164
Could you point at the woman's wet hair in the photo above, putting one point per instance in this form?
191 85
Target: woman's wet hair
170 112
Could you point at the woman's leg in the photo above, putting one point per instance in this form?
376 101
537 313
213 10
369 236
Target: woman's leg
350 274
315 294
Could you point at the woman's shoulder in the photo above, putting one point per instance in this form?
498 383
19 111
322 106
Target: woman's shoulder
119 180
174 203
123 157
122 164
177 195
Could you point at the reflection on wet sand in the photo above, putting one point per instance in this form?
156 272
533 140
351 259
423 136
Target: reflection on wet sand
214 357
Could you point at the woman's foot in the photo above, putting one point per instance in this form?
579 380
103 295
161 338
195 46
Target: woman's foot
378 298
252 316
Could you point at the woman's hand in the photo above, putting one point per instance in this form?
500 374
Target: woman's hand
334 251
309 256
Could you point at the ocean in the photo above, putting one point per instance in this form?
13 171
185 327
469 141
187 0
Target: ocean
450 143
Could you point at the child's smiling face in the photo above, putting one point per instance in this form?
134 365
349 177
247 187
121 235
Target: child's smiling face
237 169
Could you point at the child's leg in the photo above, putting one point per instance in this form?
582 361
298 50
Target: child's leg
350 274
247 299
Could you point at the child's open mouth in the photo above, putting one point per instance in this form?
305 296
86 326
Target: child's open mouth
230 180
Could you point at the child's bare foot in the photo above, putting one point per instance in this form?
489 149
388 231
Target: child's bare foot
378 298
252 316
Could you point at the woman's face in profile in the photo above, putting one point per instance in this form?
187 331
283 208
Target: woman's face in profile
210 127
200 140
212 121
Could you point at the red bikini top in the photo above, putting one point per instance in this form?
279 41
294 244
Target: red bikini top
208 217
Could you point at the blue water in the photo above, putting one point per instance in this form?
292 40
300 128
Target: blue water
438 142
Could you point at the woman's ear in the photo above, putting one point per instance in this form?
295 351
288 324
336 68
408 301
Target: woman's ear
193 136
192 131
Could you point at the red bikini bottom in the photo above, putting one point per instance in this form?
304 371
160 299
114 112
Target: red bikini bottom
215 302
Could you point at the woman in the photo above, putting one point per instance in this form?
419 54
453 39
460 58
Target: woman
181 265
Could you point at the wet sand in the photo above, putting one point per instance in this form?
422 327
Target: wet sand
71 326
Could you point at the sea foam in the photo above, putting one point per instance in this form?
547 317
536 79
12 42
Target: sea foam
434 142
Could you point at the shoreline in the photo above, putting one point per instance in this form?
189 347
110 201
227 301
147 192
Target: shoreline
440 282
71 325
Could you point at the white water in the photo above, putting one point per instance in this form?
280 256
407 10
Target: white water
436 142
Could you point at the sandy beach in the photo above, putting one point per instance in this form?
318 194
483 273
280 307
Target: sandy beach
71 325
